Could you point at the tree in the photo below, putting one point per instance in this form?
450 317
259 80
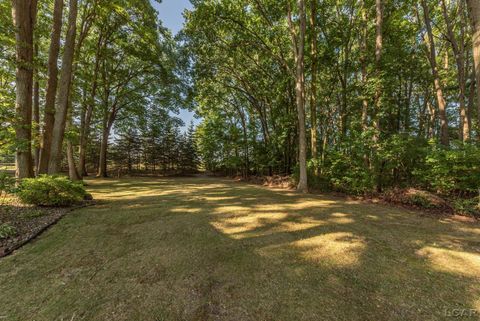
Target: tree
313 85
63 91
444 135
474 9
49 110
298 41
24 16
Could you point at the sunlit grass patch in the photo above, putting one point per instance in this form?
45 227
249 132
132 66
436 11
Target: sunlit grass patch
457 262
336 249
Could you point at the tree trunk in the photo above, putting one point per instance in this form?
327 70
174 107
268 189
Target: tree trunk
102 162
36 115
107 126
363 62
474 9
72 169
298 41
378 62
313 90
24 15
458 47
444 136
63 92
49 112
85 130
379 87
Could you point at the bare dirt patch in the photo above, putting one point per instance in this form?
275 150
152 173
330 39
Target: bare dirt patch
22 223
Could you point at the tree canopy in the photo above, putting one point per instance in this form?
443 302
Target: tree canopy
351 95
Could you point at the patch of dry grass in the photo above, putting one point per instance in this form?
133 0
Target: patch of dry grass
210 249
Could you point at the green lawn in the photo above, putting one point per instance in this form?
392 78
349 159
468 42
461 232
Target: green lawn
210 249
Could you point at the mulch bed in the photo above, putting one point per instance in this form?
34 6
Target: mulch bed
28 222
276 181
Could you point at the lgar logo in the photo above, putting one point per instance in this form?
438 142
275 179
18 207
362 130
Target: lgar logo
461 313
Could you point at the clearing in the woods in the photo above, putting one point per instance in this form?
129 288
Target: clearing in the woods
213 249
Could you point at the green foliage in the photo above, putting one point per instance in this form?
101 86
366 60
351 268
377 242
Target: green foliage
33 213
7 183
6 231
451 170
469 207
420 201
348 174
51 191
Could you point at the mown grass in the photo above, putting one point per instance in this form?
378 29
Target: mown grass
209 249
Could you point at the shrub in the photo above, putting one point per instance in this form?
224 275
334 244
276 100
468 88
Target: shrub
469 207
451 170
33 213
51 191
7 183
420 201
6 231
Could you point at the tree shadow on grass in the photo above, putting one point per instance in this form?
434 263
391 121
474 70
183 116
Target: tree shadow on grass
203 249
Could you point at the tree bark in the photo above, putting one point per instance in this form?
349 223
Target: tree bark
298 41
36 116
49 111
102 162
458 47
444 136
85 128
363 62
72 169
378 65
24 15
474 10
313 89
379 89
63 92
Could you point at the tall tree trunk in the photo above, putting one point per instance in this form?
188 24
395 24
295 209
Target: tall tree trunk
474 10
85 129
379 88
313 89
298 41
24 15
102 162
108 121
63 92
442 113
458 47
363 62
36 115
72 169
49 112
378 64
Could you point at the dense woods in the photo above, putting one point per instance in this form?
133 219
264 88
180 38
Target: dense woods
361 95
349 95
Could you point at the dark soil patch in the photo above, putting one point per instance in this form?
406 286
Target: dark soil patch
27 222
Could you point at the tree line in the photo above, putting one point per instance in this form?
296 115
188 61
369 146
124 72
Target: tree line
72 72
354 94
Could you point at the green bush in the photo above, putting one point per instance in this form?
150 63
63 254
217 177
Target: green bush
420 201
6 231
454 170
7 183
470 207
51 191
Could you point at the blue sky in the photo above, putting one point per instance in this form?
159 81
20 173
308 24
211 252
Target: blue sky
170 12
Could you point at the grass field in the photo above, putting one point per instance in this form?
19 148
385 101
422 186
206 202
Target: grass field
210 249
